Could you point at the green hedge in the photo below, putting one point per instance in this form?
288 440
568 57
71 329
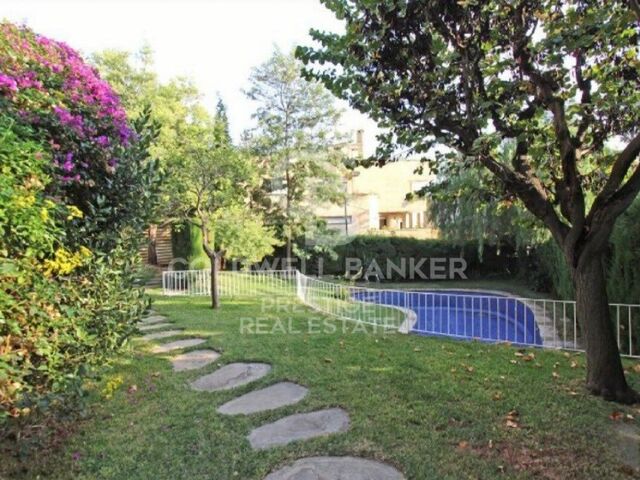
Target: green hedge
186 244
492 262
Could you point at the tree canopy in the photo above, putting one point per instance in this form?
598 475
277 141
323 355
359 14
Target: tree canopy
557 78
295 139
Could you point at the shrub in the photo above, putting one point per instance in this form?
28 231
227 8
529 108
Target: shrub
76 192
378 248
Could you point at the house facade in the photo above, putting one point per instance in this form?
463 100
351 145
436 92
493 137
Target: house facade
376 200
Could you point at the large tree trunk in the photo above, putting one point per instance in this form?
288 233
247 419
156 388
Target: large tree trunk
215 294
605 376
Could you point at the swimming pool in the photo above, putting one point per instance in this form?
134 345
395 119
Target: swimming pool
463 314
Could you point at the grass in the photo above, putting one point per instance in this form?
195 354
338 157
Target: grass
435 409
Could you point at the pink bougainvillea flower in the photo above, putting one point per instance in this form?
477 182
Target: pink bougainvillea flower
68 164
8 83
45 81
102 140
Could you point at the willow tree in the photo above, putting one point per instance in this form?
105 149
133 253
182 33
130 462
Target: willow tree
559 78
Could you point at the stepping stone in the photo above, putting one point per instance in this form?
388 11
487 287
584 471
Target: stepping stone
336 468
270 398
231 376
178 344
153 319
193 360
301 426
159 335
154 326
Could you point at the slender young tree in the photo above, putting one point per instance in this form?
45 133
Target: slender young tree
559 78
209 186
296 131
212 179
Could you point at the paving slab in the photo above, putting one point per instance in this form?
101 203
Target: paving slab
154 326
336 468
270 398
231 376
159 335
629 445
194 360
153 319
301 426
177 345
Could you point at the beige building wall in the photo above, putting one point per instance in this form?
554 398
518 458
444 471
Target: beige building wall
376 202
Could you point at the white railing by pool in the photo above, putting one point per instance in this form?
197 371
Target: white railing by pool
458 314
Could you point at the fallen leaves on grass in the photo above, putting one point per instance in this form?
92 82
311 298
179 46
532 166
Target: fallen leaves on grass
512 419
615 416
548 464
526 357
618 416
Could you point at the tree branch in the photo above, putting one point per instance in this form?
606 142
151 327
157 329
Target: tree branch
530 190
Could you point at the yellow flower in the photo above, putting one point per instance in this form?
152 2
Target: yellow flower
44 214
26 201
64 262
74 212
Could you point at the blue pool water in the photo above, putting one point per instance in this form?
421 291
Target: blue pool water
464 314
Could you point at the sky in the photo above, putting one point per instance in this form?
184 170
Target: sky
214 42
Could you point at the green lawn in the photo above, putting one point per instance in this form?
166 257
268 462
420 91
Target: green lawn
435 409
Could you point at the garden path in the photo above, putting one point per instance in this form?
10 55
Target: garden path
297 427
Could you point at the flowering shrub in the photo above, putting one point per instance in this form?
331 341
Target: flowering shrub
48 86
76 192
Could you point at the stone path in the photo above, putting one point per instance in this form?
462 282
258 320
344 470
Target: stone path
629 445
194 360
154 326
301 426
153 319
160 335
177 345
270 398
336 468
231 376
298 427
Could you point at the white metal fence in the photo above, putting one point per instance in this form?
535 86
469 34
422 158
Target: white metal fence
459 314
230 283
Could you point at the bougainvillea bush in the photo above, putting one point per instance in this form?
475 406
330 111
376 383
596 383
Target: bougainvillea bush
77 190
